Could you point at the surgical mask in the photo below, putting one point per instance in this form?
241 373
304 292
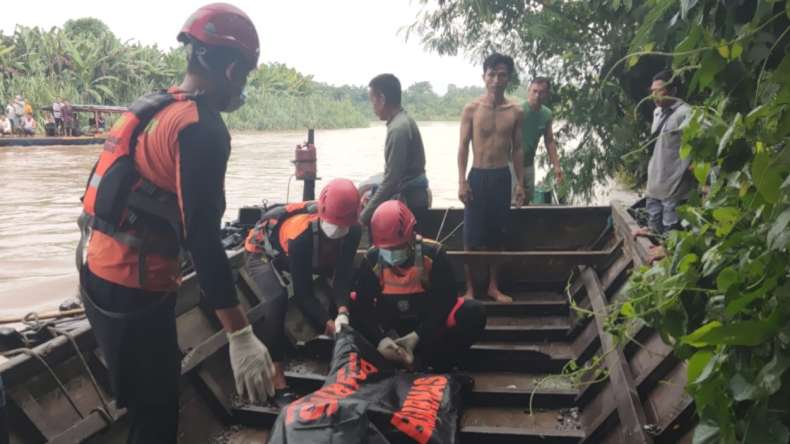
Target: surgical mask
394 258
333 231
236 102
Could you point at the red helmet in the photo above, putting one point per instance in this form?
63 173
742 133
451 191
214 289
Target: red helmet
392 224
221 24
339 203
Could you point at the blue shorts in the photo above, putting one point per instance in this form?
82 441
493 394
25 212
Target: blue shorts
486 217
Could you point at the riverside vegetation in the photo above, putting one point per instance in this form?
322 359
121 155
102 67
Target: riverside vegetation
84 62
721 297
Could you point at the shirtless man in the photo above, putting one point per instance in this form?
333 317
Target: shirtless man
493 125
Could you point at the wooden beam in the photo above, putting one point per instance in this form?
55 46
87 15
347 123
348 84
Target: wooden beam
629 406
624 225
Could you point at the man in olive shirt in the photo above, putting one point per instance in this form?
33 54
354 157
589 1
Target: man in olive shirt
404 155
536 123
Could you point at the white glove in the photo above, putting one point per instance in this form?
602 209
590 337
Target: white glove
408 342
252 366
393 352
340 321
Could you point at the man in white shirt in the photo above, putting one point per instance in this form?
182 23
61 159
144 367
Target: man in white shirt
10 113
58 115
5 126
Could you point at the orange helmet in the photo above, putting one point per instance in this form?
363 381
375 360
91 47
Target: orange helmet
223 25
339 203
392 224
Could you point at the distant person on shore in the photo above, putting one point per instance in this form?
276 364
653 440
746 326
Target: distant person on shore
101 124
5 126
493 125
29 125
68 118
57 105
19 112
28 107
132 271
11 116
669 178
536 124
50 128
404 155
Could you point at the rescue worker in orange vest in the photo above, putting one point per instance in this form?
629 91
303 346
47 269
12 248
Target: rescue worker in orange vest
407 299
158 188
286 248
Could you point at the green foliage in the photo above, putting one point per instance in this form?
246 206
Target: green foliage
722 296
574 43
84 62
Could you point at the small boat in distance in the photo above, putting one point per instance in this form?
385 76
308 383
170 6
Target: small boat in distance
94 134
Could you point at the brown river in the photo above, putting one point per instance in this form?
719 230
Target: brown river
40 189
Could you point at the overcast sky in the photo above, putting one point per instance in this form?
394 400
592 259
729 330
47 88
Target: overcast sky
337 41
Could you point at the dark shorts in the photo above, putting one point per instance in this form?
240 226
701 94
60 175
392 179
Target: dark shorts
141 352
486 217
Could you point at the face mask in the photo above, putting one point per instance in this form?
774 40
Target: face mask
333 231
236 102
394 258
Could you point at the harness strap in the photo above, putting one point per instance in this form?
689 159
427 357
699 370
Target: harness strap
314 229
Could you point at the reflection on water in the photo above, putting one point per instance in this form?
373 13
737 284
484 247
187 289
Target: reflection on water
40 189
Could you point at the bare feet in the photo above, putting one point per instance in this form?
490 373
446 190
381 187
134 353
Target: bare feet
641 231
498 296
469 295
657 252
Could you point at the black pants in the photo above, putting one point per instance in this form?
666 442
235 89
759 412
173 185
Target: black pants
446 349
4 439
275 299
136 332
418 202
464 326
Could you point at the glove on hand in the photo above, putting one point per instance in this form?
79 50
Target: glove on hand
395 353
252 366
340 321
409 342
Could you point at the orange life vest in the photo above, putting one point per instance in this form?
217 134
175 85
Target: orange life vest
284 223
402 281
131 211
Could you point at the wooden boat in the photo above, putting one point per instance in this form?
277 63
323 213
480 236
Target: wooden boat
558 257
50 141
97 136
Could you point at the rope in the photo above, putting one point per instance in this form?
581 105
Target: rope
105 409
460 224
441 226
288 189
34 355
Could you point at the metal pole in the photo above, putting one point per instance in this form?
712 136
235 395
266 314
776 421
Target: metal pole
309 182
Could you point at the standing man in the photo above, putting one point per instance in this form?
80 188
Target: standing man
157 188
68 118
537 123
493 125
56 112
669 179
10 113
404 155
19 111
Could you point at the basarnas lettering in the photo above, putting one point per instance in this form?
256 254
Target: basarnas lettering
417 416
324 402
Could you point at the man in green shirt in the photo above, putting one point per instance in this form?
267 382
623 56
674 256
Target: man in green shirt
537 122
404 155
